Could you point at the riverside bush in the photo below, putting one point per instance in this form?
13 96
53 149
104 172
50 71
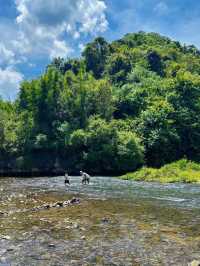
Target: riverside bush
180 171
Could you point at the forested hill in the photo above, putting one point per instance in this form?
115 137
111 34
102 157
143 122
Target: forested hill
132 102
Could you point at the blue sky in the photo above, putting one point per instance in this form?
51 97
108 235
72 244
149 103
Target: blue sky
35 31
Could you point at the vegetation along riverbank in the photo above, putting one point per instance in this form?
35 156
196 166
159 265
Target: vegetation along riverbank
120 106
180 171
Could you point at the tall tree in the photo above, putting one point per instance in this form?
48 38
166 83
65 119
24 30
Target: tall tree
95 55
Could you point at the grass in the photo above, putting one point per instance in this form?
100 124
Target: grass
181 171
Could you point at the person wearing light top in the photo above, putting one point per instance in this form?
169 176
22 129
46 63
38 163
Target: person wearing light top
85 178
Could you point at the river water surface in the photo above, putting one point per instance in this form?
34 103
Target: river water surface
116 223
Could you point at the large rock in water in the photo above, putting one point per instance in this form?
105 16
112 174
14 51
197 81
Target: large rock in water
59 204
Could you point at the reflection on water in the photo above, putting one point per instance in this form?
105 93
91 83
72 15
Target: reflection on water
117 223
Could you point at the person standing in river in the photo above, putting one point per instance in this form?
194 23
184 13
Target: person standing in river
67 182
85 178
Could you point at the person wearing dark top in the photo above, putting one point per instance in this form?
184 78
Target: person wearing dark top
67 182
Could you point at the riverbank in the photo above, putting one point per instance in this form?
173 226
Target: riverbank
182 171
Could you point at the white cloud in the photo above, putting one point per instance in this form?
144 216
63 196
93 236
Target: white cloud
10 80
161 9
44 24
81 46
45 29
92 16
59 49
6 55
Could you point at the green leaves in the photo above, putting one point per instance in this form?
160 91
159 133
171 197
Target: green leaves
111 148
121 104
159 135
95 55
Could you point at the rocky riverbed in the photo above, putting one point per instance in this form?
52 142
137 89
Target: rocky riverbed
109 222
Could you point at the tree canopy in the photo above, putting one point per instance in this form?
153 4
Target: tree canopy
121 105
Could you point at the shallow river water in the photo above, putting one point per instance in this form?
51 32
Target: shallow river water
116 223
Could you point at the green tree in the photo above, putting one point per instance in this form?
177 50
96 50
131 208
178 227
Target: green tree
118 67
110 150
155 62
185 98
95 55
159 136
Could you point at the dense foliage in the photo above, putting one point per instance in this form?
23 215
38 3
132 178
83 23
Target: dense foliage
181 171
121 105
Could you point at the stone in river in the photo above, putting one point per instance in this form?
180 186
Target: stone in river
51 246
74 200
194 263
10 249
65 203
105 220
59 204
5 237
75 226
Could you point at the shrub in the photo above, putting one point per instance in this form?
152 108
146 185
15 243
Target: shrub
180 171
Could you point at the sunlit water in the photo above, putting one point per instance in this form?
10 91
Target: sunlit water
117 223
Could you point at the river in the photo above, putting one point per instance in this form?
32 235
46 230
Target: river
116 223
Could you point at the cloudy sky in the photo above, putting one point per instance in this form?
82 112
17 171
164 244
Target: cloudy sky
35 31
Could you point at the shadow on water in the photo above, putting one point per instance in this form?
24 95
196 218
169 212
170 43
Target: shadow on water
117 223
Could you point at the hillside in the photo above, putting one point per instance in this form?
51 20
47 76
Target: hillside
121 105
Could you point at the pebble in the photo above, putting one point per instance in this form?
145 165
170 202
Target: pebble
51 246
68 227
2 252
10 249
74 200
5 237
75 226
2 260
74 262
194 263
105 220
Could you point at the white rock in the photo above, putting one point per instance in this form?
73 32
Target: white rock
194 263
5 237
